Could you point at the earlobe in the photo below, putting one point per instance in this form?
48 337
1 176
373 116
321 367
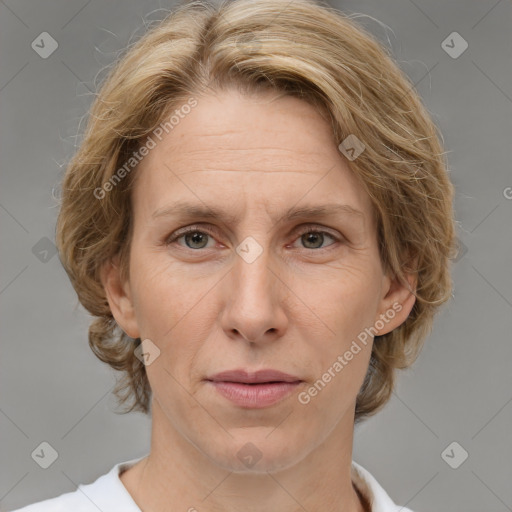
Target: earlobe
119 298
396 304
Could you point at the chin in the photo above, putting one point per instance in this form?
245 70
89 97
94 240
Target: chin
257 451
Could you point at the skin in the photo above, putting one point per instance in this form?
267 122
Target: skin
296 308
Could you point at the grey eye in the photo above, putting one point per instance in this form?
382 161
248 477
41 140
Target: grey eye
312 240
196 239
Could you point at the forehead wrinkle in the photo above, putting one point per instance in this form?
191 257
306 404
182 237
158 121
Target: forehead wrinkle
176 146
247 170
218 151
277 168
302 163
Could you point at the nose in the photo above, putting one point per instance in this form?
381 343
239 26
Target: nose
254 302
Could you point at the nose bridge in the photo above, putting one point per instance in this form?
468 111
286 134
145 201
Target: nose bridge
252 277
253 307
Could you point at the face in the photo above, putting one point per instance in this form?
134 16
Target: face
255 286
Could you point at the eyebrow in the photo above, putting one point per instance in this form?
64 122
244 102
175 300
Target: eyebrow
191 211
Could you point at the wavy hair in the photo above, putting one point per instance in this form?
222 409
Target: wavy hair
303 49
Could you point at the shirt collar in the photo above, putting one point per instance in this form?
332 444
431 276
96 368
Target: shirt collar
364 481
368 486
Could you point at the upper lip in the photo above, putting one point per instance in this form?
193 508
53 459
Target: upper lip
267 375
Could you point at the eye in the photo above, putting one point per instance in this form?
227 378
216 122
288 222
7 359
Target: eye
195 238
192 236
313 238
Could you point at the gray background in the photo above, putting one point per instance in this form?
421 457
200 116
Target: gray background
460 389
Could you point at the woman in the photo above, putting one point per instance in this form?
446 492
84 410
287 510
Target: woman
260 219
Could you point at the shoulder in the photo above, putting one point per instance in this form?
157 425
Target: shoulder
65 502
107 493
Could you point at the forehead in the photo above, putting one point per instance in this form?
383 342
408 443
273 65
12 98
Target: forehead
233 124
230 149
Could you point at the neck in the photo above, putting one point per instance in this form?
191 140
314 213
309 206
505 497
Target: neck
177 474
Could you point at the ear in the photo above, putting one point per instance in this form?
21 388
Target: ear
119 298
396 303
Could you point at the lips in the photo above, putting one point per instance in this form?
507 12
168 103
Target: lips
257 377
254 390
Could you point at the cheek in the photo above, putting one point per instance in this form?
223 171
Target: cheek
162 297
348 307
345 297
175 313
345 307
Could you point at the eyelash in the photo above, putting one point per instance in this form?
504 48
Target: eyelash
193 229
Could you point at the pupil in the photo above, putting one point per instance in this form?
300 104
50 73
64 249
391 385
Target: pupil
310 238
195 237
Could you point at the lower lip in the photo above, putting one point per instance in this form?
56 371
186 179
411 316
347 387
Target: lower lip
255 395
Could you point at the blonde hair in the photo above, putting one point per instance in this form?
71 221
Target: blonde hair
299 48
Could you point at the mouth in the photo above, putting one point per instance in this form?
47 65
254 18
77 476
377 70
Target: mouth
254 390
257 377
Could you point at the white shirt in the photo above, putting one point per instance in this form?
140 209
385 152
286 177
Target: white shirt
108 494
